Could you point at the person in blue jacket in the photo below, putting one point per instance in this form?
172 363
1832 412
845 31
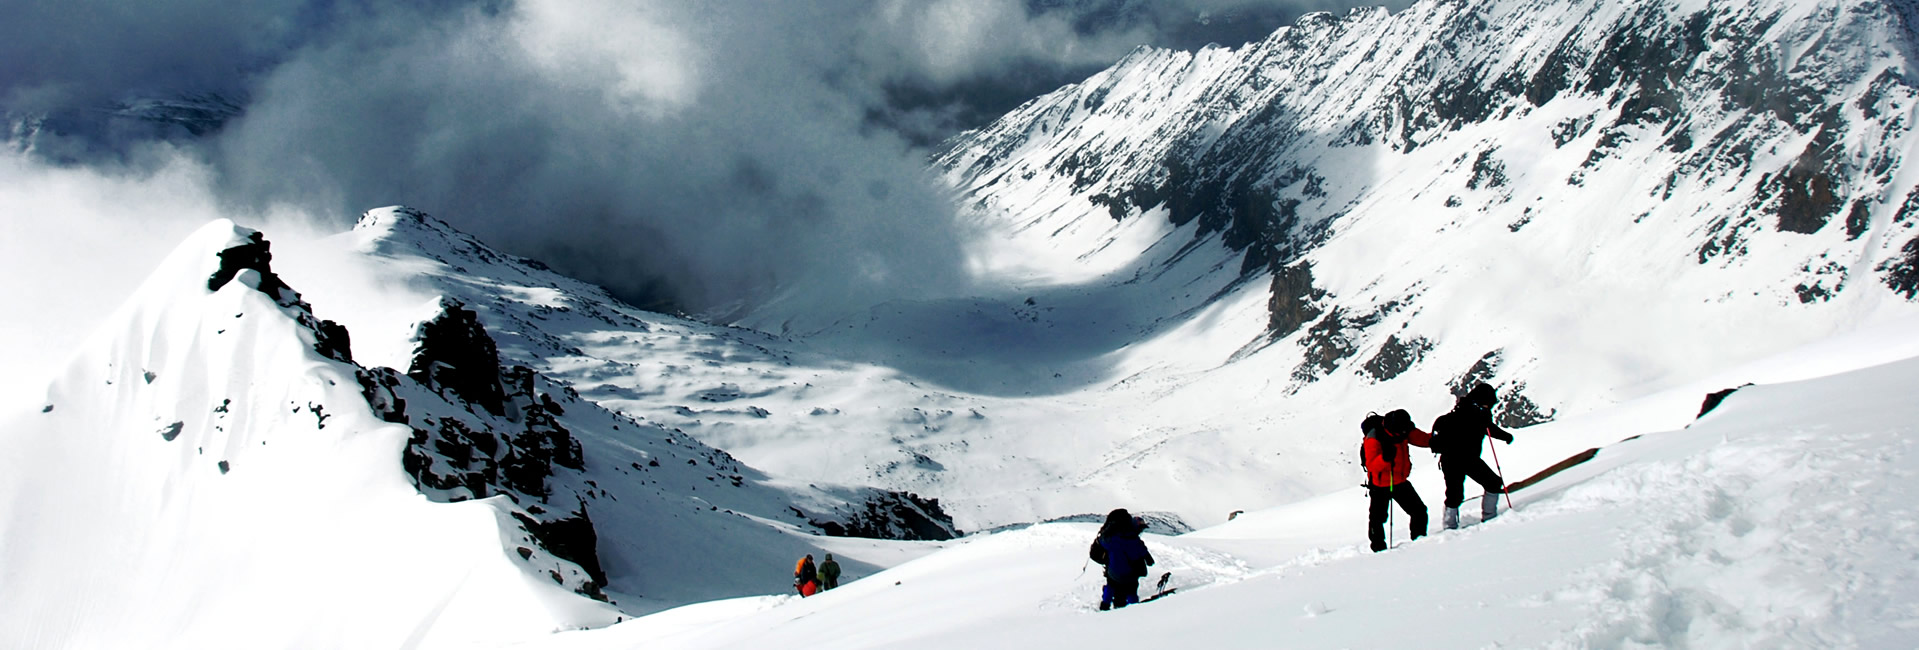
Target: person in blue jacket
1125 557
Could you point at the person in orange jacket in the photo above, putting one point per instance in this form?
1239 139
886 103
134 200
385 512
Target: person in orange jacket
1388 463
805 577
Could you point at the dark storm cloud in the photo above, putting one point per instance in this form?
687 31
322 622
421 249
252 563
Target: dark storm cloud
55 53
699 154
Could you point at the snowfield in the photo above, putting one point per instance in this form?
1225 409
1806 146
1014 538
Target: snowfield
1784 518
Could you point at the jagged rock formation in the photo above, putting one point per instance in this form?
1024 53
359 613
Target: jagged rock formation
460 456
330 339
456 356
483 430
892 515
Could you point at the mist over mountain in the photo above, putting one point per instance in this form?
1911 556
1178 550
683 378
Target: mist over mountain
732 150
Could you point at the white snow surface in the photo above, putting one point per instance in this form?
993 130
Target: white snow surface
1785 518
179 489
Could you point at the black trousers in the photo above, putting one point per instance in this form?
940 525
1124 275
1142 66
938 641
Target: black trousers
1125 591
1458 469
1383 498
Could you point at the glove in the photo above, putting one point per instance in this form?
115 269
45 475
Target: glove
1508 439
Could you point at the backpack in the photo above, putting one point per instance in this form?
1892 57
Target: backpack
1446 434
1371 427
1097 553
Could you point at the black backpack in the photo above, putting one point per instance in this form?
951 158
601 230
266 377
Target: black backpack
1373 426
1098 552
1446 434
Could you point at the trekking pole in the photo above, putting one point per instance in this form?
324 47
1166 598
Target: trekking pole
1502 474
1390 504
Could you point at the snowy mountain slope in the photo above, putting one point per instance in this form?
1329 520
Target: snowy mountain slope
148 489
200 477
610 482
1357 214
616 496
1782 519
871 405
808 412
1638 183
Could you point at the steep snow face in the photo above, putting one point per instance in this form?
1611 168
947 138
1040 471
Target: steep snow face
206 473
1580 202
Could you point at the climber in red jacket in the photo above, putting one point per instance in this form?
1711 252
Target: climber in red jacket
1387 466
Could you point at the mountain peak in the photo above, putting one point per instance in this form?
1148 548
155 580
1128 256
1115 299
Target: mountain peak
401 230
390 217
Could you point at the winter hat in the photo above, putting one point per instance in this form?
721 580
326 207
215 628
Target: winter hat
829 557
1399 421
1372 423
1482 396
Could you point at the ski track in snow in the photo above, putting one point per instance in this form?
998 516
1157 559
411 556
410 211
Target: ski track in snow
1740 541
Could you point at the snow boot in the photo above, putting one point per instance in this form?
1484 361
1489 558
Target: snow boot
1488 507
1451 519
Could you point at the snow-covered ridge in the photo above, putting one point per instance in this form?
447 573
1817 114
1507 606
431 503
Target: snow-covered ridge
226 433
202 476
1614 171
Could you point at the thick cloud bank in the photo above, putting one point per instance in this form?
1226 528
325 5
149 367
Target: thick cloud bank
701 156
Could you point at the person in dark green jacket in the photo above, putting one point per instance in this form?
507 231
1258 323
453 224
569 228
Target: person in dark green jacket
829 573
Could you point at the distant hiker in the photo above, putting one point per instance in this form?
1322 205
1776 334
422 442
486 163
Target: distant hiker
829 573
1458 437
1125 557
1387 466
805 577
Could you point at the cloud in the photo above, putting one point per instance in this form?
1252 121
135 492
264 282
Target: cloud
57 53
682 167
706 156
77 242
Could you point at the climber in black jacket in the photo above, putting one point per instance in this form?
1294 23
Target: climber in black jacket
1457 438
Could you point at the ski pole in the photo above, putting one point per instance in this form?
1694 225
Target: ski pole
1502 474
1390 504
